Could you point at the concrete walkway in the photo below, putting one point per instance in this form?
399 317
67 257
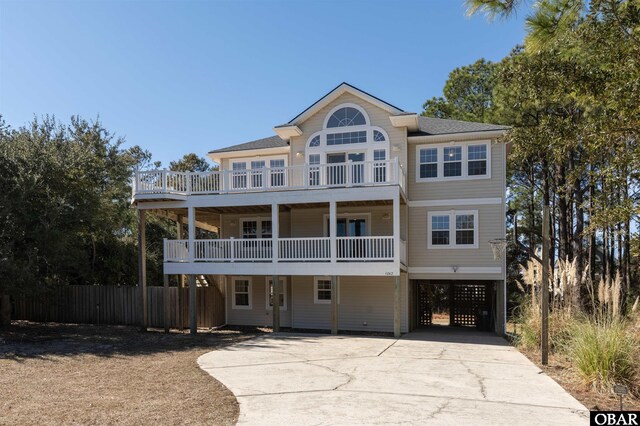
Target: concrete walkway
443 376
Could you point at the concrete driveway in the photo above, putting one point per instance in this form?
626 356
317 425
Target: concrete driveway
443 376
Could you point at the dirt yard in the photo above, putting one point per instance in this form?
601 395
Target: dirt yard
84 374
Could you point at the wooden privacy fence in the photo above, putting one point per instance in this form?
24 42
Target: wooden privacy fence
120 306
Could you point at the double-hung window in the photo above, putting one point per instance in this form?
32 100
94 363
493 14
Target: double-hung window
452 161
379 165
428 163
257 173
455 160
477 160
239 176
241 287
314 172
453 229
322 290
277 172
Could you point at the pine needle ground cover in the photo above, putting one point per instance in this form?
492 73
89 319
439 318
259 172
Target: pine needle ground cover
83 374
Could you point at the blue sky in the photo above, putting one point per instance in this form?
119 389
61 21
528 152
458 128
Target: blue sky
190 76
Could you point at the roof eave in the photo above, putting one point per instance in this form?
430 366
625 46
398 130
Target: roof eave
483 134
254 152
286 132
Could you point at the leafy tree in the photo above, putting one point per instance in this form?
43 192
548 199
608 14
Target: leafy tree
190 163
65 215
467 93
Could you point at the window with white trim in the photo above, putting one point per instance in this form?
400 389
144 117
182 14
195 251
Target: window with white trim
378 136
269 293
428 163
322 290
241 289
347 116
453 229
255 228
454 160
477 160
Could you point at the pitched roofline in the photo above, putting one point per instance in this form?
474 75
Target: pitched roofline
361 93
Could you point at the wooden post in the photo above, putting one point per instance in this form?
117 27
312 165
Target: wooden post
142 267
276 302
334 304
275 234
396 307
180 236
193 313
333 230
545 286
167 305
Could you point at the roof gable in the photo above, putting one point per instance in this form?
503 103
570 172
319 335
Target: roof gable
334 94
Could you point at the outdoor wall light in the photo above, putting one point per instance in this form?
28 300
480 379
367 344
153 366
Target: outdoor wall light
386 216
395 148
455 268
299 154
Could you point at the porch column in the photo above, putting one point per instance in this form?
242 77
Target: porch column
193 314
396 229
276 302
396 307
334 304
180 236
142 267
191 217
275 234
500 309
166 303
333 230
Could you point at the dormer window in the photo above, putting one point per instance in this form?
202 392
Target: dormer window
347 116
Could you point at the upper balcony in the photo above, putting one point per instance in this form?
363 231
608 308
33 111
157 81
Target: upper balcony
166 184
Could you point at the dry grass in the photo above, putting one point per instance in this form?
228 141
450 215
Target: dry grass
82 374
560 369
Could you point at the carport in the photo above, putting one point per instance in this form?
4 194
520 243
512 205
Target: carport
467 303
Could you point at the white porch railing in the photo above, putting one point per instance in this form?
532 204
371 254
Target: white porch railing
365 248
349 249
306 176
304 249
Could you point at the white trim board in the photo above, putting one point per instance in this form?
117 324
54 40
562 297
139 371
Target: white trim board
456 202
459 270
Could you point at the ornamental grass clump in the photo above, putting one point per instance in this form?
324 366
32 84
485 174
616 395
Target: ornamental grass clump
604 352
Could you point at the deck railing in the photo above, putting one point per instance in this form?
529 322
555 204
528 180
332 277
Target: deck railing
306 176
349 249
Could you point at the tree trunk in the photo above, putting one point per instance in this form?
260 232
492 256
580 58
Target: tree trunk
592 235
578 251
5 310
562 211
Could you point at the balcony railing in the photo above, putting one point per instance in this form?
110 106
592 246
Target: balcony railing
306 176
349 249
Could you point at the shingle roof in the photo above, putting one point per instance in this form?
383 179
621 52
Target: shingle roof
428 126
270 142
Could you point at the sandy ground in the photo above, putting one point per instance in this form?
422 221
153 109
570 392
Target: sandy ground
83 374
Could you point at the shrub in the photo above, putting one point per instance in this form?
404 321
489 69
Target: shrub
604 352
529 318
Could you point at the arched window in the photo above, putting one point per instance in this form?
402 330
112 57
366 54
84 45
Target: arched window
346 116
378 136
315 141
